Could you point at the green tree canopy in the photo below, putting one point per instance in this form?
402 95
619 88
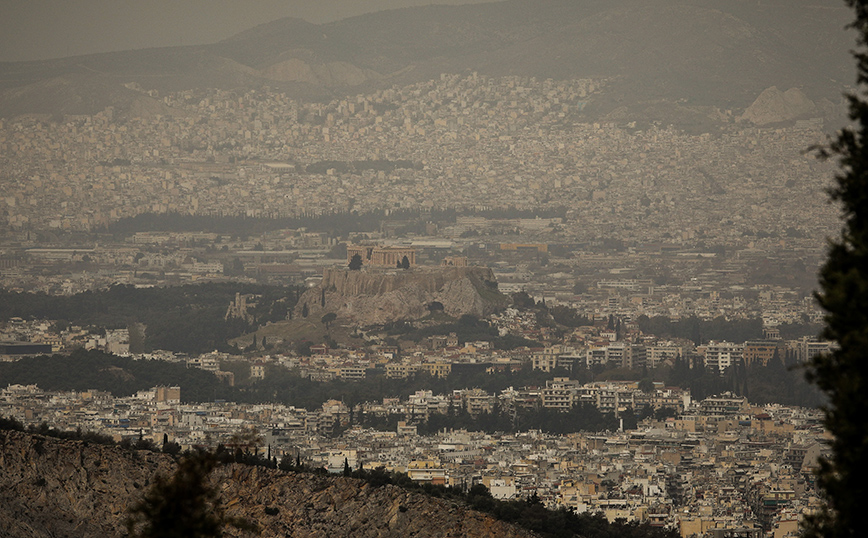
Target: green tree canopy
843 374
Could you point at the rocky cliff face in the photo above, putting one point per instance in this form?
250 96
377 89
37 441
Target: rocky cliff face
65 488
374 297
53 488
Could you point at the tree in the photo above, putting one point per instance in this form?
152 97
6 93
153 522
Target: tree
568 317
328 318
337 428
843 373
303 348
236 268
183 506
646 385
521 299
405 262
355 263
247 439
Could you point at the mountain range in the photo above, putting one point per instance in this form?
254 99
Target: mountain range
656 55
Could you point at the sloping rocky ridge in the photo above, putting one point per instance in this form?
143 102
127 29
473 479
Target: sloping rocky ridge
54 488
774 106
378 296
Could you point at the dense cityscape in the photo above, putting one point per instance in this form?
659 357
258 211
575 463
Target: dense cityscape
465 144
476 282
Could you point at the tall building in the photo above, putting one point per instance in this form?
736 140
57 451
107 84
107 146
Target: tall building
719 356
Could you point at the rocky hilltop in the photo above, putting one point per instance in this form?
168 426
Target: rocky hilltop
775 106
382 296
50 487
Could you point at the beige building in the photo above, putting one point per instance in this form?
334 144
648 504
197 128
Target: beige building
401 370
167 394
436 369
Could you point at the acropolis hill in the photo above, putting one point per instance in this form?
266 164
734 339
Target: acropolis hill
378 295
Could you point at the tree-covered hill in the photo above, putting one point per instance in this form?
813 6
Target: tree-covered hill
120 376
187 318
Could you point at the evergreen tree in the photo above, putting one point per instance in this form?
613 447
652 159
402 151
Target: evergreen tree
646 385
183 506
355 263
327 319
843 373
679 375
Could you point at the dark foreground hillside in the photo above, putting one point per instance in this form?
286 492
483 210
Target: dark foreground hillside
57 488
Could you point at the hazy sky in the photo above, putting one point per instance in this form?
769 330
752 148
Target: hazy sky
41 29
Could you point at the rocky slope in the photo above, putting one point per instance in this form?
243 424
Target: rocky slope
55 488
378 296
775 106
65 488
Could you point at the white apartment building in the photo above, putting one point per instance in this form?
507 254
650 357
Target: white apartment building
719 356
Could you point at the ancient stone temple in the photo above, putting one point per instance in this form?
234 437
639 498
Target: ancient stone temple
382 256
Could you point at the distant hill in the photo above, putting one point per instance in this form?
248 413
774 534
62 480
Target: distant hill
661 53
